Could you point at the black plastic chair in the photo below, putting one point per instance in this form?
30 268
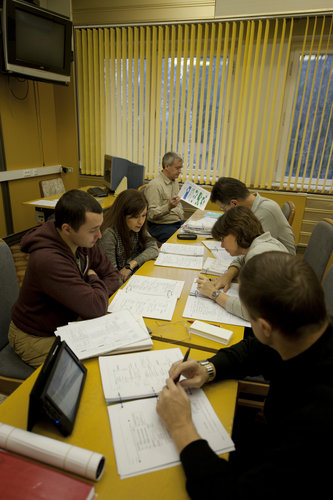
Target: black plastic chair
12 369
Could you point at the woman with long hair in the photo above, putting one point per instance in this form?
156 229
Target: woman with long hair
242 235
125 239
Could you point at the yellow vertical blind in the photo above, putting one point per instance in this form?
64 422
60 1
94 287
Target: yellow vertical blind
217 93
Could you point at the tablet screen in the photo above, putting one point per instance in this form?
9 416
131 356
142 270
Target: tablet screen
65 385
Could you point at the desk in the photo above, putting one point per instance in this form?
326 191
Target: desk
92 431
44 207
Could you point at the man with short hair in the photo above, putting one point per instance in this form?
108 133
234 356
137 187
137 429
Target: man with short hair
229 192
68 276
293 347
165 212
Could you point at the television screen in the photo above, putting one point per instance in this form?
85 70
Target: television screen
36 42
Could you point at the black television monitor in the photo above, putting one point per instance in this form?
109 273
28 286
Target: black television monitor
36 43
116 168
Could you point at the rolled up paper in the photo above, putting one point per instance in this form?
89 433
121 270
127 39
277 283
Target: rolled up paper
66 456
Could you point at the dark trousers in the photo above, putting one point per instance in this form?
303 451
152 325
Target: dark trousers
162 232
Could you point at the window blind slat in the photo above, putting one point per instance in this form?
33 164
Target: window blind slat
215 92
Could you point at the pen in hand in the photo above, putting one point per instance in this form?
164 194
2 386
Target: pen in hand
185 359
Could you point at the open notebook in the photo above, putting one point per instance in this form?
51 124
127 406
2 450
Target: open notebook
141 442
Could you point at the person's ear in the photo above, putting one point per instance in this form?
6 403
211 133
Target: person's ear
266 328
66 228
234 203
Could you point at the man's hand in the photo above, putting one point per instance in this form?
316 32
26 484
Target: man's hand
173 202
90 272
195 375
174 408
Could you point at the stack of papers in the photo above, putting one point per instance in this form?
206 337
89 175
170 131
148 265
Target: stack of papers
202 227
141 442
109 334
149 297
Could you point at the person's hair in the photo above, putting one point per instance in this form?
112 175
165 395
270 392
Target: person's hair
227 189
241 223
285 291
72 207
170 158
129 202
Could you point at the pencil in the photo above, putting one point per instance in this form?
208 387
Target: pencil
185 359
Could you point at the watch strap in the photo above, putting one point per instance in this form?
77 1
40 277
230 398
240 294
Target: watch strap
210 370
215 294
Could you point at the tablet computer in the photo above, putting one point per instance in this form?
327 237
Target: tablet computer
58 388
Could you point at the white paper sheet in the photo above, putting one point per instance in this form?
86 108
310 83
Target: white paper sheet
71 458
158 307
179 249
182 261
199 307
134 376
141 442
43 202
194 195
150 286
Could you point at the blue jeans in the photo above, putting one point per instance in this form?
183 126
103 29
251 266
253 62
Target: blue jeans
162 232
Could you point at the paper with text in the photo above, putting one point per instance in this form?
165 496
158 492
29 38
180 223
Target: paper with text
135 376
179 249
146 285
199 307
101 335
182 261
142 443
158 307
195 195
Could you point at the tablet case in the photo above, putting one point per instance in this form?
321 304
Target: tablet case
40 404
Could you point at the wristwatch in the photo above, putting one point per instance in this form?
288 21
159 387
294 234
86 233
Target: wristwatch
215 294
209 367
128 267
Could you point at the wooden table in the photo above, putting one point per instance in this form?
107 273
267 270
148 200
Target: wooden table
92 431
43 208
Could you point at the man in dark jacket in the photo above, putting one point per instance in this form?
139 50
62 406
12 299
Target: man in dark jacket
68 276
293 348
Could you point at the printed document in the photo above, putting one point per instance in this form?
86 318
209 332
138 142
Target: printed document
105 334
204 309
179 249
149 306
142 443
182 261
146 285
195 195
136 376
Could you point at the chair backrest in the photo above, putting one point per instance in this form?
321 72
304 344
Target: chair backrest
8 290
327 285
320 246
289 210
50 187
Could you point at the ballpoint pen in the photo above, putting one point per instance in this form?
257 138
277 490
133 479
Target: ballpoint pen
185 359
